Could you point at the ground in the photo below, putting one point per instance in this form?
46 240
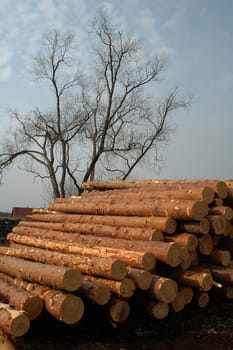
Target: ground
209 328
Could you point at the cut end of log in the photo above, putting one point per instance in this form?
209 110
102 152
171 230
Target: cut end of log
160 310
207 282
19 325
164 289
171 226
127 288
204 226
179 302
226 258
72 309
203 300
144 281
72 280
188 294
174 255
119 311
102 295
222 189
119 270
205 244
199 210
208 195
157 236
149 261
33 307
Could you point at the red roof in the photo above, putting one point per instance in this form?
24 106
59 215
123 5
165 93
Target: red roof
21 212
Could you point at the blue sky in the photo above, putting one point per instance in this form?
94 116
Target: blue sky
197 37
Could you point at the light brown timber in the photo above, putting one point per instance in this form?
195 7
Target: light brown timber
106 267
163 289
12 321
205 244
118 310
217 224
5 341
61 278
188 240
225 211
141 278
218 257
202 226
201 280
179 302
96 293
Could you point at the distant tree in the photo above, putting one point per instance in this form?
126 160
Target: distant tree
102 123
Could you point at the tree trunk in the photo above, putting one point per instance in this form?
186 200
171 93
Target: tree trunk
217 224
96 293
105 267
176 209
163 289
141 278
137 259
201 280
179 302
62 278
13 322
198 227
187 240
118 310
205 244
218 257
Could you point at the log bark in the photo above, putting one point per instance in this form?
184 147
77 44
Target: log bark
163 289
105 267
198 227
187 240
62 278
221 274
176 209
118 310
218 257
164 224
134 258
12 321
141 278
168 253
96 293
5 342
21 299
65 307
124 289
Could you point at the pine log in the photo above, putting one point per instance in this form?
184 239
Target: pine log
218 257
163 289
202 226
187 240
105 267
65 307
62 278
96 293
164 224
21 299
176 209
219 187
12 321
201 298
206 194
228 230
186 260
217 224
5 342
118 310
205 244
134 258
179 302
221 274
141 278
124 289
201 280
168 253
225 211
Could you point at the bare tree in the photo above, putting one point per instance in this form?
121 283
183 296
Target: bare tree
103 124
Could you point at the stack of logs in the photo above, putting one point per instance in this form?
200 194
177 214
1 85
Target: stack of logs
155 244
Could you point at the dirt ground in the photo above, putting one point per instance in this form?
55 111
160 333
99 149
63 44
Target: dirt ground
209 328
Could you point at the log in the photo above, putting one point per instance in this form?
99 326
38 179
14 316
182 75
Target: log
201 280
217 224
158 309
134 258
205 244
179 302
224 211
221 274
96 293
176 209
167 252
205 194
187 293
141 278
62 278
201 298
105 267
201 227
219 187
163 289
124 289
118 310
218 257
65 307
187 240
164 224
12 321
21 299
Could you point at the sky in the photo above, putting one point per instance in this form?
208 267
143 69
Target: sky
197 38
